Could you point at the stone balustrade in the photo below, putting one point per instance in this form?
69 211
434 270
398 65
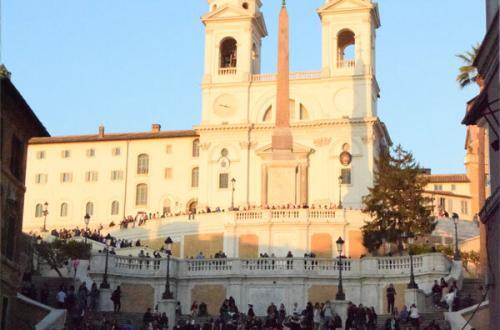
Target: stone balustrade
300 75
271 267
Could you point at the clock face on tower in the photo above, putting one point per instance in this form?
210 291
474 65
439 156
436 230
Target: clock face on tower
225 105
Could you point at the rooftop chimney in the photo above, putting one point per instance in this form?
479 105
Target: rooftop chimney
156 128
101 131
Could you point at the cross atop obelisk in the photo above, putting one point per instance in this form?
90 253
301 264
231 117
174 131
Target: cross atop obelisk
282 135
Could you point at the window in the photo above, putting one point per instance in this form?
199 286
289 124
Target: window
141 194
90 152
304 114
196 148
168 148
345 175
223 180
65 154
115 207
453 187
464 207
38 210
40 154
142 164
228 53
16 157
116 151
66 177
91 176
116 175
64 210
346 51
224 152
168 173
41 178
195 172
438 187
442 202
89 208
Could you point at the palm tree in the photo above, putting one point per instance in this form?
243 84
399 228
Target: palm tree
468 73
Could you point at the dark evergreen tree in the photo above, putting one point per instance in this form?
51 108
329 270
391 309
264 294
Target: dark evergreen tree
396 202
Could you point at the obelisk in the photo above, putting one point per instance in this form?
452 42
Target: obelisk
282 136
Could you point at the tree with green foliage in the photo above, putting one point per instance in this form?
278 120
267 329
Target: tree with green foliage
57 252
396 202
468 72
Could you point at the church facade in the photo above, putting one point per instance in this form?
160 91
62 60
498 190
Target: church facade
231 159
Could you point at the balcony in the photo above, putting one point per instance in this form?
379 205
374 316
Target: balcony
301 75
182 269
346 64
227 71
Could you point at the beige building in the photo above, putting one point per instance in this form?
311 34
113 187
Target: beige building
224 160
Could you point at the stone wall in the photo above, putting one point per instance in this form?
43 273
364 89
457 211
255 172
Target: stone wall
321 293
399 302
209 244
356 248
137 298
248 246
321 245
212 295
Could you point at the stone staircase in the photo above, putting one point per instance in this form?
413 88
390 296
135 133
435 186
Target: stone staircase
425 319
53 284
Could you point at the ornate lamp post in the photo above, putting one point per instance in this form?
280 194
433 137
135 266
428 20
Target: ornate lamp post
340 191
233 182
168 249
86 218
340 292
105 284
45 212
410 237
456 255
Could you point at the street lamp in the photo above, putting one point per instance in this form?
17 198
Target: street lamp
105 284
410 237
45 212
86 218
233 182
340 292
340 192
456 255
168 249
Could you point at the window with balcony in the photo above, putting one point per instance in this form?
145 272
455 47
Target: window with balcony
195 172
64 210
143 164
196 148
141 194
38 210
115 206
89 208
66 177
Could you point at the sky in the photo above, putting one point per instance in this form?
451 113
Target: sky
127 64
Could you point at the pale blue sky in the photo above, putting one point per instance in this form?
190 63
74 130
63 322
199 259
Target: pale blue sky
129 63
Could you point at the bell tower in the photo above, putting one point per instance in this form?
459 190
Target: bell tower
348 36
233 39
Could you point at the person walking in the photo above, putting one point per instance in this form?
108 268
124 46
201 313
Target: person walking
94 297
116 297
391 295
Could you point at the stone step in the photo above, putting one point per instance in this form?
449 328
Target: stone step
425 319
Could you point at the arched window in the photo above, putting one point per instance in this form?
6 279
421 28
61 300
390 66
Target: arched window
166 206
346 48
268 115
304 114
196 148
38 210
192 206
195 174
228 53
115 207
142 164
141 194
64 210
89 208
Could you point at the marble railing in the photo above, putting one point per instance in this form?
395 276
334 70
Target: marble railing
293 76
293 215
435 263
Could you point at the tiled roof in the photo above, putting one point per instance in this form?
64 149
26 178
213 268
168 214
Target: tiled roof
444 178
113 137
